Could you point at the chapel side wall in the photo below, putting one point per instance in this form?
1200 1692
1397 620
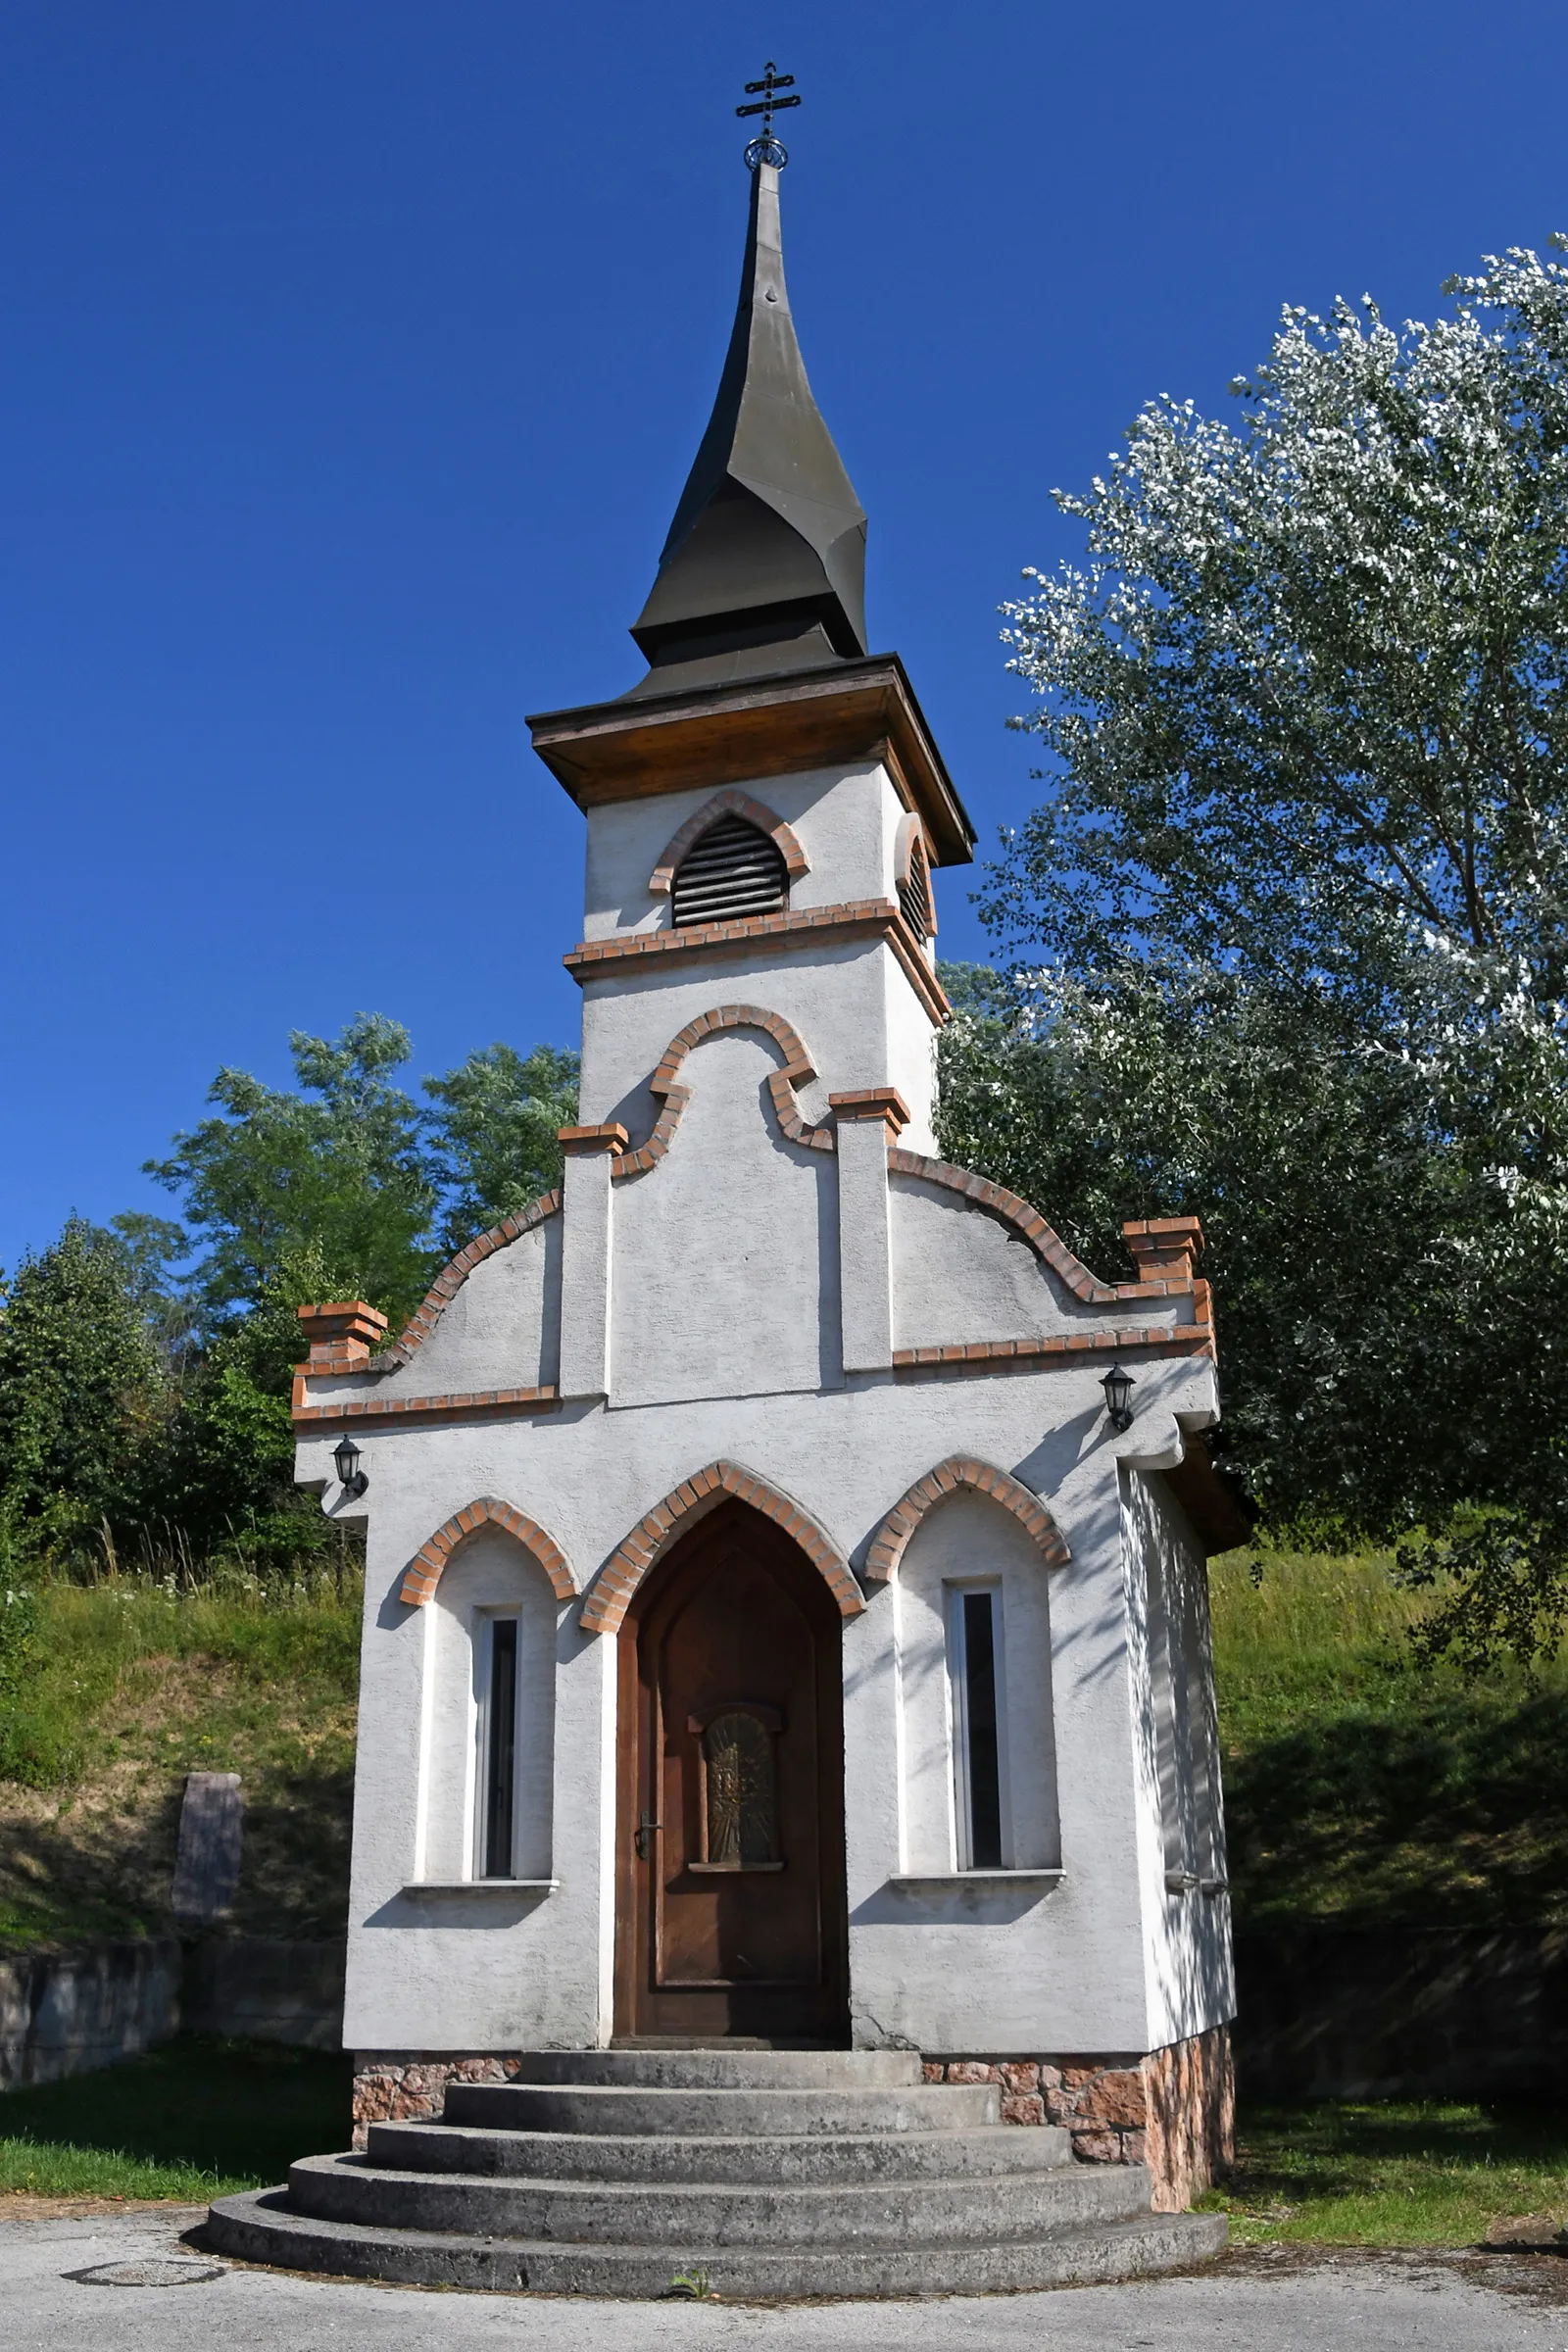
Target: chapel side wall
1191 1972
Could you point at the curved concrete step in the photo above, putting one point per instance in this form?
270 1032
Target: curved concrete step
258 2227
952 2212
720 2114
723 2070
797 2158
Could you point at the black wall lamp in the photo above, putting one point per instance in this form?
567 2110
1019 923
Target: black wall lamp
346 1455
1118 1387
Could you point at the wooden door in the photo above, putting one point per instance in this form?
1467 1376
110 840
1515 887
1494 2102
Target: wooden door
730 1879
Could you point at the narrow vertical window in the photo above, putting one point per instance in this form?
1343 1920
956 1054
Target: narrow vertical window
501 1748
977 1729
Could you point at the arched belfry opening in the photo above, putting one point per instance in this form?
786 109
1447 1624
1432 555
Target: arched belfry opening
731 1906
733 869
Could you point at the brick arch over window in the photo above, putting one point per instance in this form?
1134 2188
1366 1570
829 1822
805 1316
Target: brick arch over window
627 1565
423 1572
673 1097
729 803
962 1470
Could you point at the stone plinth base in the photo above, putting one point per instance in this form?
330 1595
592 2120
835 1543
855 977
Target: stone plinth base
408 2087
1172 2109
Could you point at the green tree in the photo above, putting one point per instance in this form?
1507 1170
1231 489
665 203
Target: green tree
493 1134
338 1166
84 1399
1297 897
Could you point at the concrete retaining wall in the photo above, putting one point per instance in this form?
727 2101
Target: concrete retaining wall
66 2013
1401 2012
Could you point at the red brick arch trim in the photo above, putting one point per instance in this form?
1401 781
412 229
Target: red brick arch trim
729 803
621 1574
962 1470
673 1097
452 1278
423 1572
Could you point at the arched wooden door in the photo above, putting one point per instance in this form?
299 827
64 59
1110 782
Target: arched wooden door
730 1901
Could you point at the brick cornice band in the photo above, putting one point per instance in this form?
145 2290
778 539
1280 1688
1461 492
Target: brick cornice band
851 919
728 802
618 1578
673 1097
423 1572
462 1406
1002 1356
884 1102
580 1142
962 1470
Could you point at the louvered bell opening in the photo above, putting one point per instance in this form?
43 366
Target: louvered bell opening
734 870
914 894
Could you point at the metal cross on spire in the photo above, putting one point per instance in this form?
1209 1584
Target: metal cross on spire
767 149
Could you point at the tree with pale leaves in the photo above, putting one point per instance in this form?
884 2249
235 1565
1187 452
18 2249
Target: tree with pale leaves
1288 933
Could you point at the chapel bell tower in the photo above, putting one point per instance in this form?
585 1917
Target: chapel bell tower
769 798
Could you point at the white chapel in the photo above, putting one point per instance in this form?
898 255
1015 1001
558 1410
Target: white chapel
786 1668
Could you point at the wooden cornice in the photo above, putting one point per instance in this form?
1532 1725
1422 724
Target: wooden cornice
777 726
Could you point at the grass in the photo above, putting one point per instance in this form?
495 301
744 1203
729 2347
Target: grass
1362 1788
190 2121
1427 2174
134 1683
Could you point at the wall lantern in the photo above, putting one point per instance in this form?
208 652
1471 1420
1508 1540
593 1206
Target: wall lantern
1118 1387
346 1455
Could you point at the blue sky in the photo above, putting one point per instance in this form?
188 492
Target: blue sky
353 353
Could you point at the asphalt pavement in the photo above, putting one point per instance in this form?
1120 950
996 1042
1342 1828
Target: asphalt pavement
135 2282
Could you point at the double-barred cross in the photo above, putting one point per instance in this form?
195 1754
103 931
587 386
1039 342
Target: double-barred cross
769 104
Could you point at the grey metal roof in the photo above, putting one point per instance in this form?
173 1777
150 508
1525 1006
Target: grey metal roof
764 565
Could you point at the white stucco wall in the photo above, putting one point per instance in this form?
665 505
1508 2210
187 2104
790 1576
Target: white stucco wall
946 1249
726 1253
502 1329
849 1003
845 820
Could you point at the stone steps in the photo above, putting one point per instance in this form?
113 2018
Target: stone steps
258 2227
777 2172
710 2114
676 2214
804 2158
728 2069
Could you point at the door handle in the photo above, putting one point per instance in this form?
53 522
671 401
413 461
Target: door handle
644 1833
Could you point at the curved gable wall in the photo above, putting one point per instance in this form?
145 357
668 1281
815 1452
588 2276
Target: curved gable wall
501 1327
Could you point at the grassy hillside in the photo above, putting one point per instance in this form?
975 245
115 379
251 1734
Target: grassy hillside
133 1684
1358 1786
1364 1787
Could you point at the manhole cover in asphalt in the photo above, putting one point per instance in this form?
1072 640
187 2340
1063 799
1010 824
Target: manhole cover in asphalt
149 2273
